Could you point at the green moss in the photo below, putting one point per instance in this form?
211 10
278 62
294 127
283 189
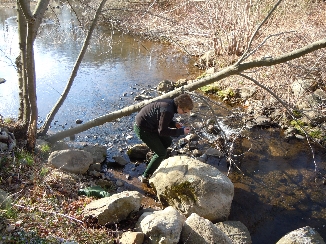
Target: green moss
227 93
297 124
210 89
183 192
318 134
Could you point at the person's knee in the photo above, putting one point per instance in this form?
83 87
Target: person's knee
162 153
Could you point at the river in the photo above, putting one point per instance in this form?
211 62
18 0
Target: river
275 192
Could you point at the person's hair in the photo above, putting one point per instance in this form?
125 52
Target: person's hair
184 101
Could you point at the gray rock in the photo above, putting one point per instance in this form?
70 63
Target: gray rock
113 209
200 230
98 152
132 237
138 151
263 121
162 226
191 186
236 231
165 86
120 160
71 160
302 236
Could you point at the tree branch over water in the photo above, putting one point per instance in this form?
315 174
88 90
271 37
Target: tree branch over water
226 72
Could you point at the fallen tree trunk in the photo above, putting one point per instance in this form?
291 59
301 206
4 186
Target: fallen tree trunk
226 72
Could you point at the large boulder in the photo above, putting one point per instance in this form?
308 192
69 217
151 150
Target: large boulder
71 160
302 236
113 209
162 226
191 186
199 230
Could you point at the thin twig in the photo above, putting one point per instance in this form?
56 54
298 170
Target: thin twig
245 54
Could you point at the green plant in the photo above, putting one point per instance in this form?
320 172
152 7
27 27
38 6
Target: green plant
45 148
228 93
8 120
297 124
9 212
44 171
318 134
210 88
25 158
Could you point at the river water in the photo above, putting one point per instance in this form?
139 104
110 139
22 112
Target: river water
275 191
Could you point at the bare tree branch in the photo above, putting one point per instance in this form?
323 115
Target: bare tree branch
246 54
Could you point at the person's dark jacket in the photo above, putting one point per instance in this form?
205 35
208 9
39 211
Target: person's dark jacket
157 117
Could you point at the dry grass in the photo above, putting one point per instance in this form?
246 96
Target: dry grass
196 27
45 205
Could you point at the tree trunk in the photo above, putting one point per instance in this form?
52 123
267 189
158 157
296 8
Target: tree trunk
24 108
226 72
28 26
43 130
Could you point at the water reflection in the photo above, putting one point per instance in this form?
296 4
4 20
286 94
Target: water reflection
113 64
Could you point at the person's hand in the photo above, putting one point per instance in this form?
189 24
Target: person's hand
186 130
178 125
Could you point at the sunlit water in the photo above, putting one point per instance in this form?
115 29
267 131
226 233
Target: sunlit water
275 191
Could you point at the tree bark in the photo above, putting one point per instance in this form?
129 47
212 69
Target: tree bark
21 62
226 72
43 130
29 24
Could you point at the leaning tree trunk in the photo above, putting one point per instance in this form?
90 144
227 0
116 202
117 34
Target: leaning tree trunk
226 72
43 130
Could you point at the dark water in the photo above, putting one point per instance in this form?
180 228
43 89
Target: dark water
275 192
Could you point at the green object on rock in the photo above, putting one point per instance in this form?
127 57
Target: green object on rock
94 191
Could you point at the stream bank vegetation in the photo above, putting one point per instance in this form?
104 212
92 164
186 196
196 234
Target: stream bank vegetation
228 33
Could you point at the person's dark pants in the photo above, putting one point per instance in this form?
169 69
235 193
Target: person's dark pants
158 144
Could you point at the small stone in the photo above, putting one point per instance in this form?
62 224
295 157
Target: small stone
2 80
10 228
119 183
78 121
